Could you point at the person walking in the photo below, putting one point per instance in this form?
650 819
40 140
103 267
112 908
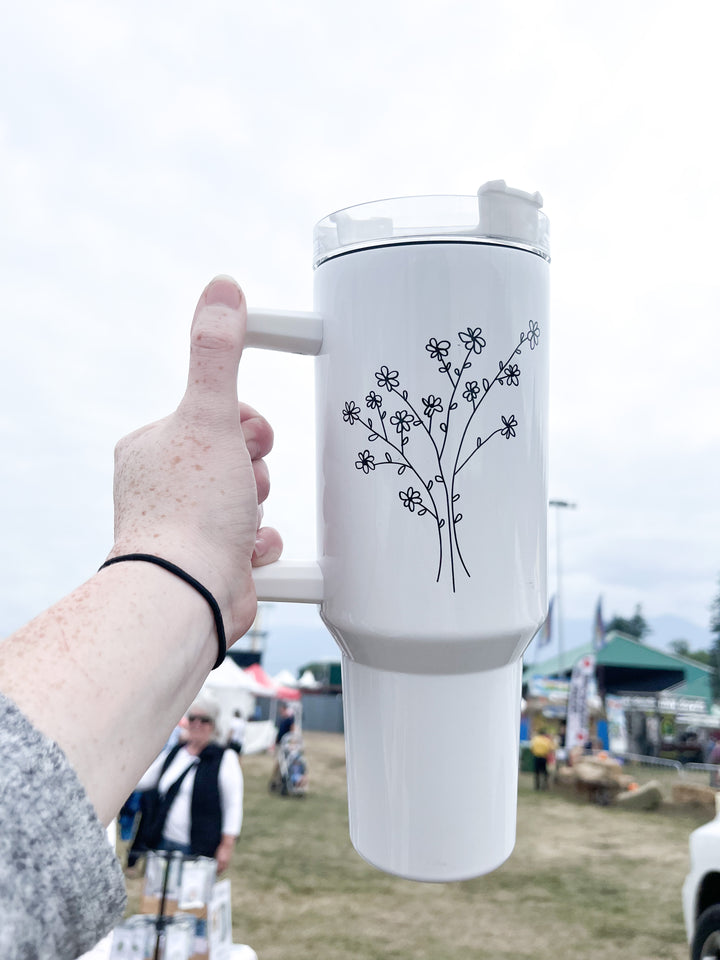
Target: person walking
196 791
541 746
286 723
236 733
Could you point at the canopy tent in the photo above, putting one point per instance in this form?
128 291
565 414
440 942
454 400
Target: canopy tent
307 681
229 675
259 676
270 687
276 693
625 665
236 689
233 690
285 679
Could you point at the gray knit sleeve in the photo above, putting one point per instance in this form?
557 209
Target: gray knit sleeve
61 885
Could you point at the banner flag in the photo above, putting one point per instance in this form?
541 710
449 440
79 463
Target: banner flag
545 632
577 730
617 724
598 640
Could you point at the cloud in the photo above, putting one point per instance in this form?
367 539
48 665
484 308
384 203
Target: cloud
143 153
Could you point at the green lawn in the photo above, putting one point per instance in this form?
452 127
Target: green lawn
584 882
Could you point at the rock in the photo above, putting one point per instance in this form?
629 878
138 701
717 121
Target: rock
611 769
589 773
693 795
647 797
595 774
565 777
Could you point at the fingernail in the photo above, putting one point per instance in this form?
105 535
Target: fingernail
223 290
260 548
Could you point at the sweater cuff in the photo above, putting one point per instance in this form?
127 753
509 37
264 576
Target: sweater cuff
61 885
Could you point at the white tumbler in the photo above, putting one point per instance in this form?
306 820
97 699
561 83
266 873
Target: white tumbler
431 336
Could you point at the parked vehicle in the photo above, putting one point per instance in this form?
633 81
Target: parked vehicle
701 892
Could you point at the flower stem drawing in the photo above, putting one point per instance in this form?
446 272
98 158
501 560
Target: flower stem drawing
429 422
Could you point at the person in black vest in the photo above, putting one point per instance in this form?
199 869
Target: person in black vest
197 793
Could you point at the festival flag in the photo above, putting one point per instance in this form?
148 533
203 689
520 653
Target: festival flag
598 640
545 631
576 732
617 725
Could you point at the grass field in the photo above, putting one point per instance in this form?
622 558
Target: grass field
583 882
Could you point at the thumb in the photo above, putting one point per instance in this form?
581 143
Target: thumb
217 337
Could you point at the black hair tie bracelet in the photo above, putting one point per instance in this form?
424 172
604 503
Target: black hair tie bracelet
203 591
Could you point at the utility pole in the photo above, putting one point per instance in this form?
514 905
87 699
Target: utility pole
559 506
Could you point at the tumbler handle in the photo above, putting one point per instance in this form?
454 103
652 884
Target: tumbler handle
295 581
286 330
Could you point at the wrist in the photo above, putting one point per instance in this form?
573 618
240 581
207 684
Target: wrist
234 593
191 581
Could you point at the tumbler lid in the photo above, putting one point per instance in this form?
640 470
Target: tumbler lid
498 214
432 768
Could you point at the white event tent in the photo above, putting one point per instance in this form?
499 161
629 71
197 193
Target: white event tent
234 689
285 679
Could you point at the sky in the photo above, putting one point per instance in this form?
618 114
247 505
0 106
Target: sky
146 147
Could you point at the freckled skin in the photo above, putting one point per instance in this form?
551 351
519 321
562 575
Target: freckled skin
128 651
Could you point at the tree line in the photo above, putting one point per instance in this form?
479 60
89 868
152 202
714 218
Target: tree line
638 628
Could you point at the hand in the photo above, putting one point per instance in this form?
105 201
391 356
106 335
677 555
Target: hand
188 487
224 852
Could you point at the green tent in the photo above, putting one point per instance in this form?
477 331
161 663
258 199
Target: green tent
625 665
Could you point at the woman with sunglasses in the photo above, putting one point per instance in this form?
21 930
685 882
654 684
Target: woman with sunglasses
199 787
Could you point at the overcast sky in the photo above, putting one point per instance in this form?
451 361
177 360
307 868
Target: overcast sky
146 147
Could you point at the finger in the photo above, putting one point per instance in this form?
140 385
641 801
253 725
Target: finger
268 547
258 433
216 341
262 480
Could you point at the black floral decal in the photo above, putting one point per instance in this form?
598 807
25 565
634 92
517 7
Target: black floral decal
437 496
351 413
508 427
411 498
387 378
365 461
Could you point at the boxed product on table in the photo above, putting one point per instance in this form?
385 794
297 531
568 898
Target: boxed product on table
176 883
147 937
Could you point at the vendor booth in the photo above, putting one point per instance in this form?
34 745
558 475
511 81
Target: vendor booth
642 700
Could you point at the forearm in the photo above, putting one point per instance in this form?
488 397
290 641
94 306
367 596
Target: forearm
114 666
108 671
223 854
231 793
